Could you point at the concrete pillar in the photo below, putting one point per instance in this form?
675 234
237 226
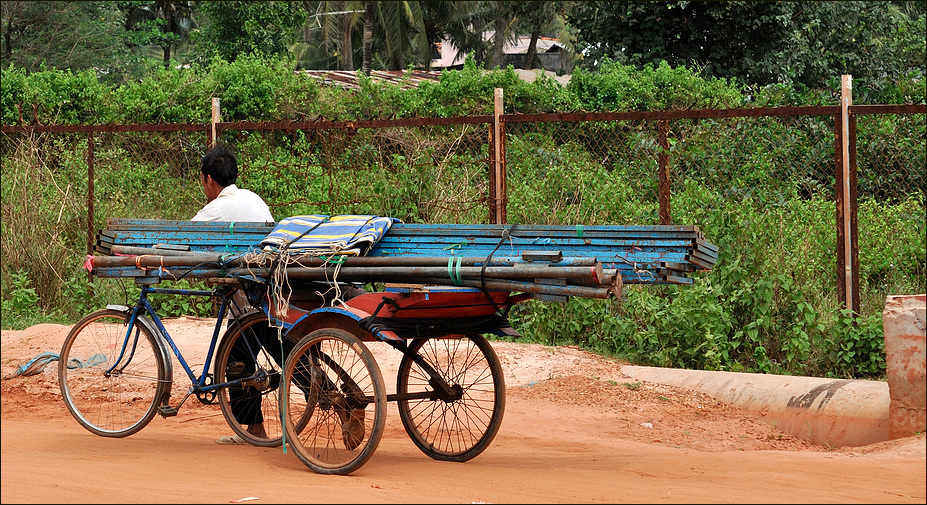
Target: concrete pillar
905 327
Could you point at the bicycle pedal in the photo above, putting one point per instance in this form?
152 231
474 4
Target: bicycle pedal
167 411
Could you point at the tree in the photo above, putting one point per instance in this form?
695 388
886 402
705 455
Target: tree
398 34
326 40
61 35
719 37
536 18
467 29
164 23
230 29
754 42
497 18
391 33
368 36
873 41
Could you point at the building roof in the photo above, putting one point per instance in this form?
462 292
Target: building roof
449 56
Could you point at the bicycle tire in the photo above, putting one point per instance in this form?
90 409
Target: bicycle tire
460 430
257 400
331 380
116 404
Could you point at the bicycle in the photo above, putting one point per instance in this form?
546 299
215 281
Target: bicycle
301 363
125 375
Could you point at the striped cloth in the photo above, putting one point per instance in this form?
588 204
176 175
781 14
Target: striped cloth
321 234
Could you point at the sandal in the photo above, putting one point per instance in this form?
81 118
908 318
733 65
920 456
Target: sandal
352 422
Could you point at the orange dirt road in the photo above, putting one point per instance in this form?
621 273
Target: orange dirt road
572 433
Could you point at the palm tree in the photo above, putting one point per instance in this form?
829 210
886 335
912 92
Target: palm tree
481 17
398 33
174 22
368 36
392 33
532 17
328 37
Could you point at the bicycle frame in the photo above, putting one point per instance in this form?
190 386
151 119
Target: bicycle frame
198 384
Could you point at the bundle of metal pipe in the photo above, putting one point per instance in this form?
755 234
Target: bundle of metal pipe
659 254
542 273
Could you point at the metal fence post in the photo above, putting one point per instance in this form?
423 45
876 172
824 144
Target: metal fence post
91 158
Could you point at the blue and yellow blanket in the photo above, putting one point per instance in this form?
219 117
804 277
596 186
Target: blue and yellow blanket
321 234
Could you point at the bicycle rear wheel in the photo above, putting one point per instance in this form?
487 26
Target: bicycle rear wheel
334 400
106 400
462 429
252 352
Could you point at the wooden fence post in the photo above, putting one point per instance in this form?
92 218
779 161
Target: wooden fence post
498 167
846 192
216 118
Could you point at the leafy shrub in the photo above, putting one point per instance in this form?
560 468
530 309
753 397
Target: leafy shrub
167 96
23 297
13 95
59 97
254 88
180 305
617 87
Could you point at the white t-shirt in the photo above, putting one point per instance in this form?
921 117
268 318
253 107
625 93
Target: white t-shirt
235 204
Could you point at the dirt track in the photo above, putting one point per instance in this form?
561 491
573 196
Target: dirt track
574 431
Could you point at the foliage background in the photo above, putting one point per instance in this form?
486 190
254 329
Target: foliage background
761 309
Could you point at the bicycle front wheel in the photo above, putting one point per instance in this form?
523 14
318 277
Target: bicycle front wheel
110 398
253 355
456 430
334 402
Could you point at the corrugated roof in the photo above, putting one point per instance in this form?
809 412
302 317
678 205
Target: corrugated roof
348 80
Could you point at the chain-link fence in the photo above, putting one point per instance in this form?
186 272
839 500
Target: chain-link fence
759 183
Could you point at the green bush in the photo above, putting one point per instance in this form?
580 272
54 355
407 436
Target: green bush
59 97
13 95
617 87
166 96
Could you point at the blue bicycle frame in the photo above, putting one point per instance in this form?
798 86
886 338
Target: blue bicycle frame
198 384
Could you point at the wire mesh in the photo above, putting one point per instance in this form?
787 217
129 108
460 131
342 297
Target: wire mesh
758 183
416 174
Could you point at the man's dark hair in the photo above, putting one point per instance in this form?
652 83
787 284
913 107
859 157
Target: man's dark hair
221 165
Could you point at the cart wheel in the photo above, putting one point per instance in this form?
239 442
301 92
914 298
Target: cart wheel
459 430
334 402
